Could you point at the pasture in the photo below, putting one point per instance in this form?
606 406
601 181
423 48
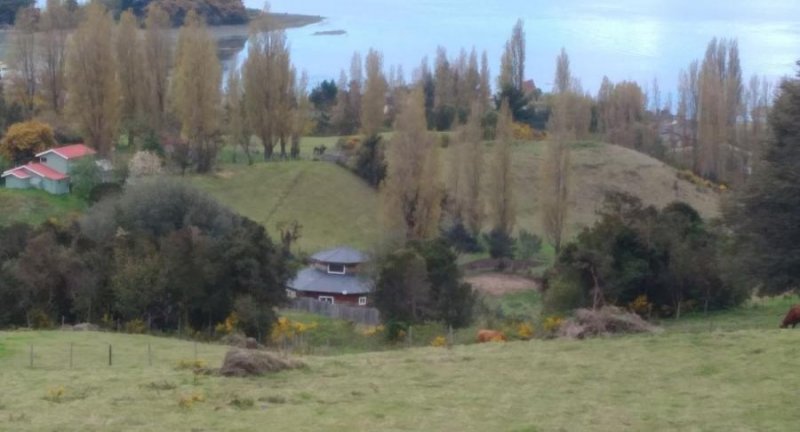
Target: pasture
689 377
335 206
37 206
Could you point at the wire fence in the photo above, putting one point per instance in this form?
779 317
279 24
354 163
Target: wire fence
82 354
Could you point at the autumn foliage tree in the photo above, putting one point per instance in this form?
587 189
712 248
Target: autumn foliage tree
196 91
23 140
94 93
412 194
374 99
157 60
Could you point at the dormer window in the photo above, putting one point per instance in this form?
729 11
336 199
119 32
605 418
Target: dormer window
336 269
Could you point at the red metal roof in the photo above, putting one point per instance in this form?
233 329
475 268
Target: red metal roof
45 171
70 152
18 172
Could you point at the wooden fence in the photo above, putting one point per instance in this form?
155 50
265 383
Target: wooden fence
358 314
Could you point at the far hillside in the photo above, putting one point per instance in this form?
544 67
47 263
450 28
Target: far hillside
336 207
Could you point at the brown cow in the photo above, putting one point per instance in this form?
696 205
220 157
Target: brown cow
792 317
491 336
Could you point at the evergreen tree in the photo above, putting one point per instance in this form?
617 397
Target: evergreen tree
765 216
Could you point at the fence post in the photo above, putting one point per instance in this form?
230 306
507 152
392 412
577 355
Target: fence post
70 354
31 357
109 355
450 336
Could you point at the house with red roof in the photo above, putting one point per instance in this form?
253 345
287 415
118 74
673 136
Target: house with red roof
51 172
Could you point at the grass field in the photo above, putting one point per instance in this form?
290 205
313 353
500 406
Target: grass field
685 378
37 206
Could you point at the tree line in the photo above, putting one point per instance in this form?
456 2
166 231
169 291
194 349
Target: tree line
162 256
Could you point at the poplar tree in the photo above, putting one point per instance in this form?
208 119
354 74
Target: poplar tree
23 61
374 94
93 90
157 60
131 75
196 91
237 127
512 64
412 193
501 197
470 173
55 25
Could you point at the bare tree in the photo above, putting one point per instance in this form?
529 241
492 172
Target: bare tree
55 24
512 65
157 60
23 64
563 79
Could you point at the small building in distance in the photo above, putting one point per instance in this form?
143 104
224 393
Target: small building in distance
51 172
334 276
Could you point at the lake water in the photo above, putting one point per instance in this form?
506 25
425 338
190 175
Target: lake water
623 39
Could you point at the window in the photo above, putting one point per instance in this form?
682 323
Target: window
326 299
336 268
291 294
362 301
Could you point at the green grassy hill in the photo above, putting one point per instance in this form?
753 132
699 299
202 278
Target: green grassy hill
36 206
336 207
685 378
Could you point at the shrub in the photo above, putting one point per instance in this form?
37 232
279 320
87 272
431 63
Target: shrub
552 323
136 326
229 325
501 245
564 293
187 401
85 176
55 394
144 164
528 245
524 331
462 240
439 341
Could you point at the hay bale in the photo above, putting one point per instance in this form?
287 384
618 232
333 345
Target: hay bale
85 327
247 362
604 321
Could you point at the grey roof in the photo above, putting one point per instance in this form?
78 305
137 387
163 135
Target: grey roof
313 280
340 255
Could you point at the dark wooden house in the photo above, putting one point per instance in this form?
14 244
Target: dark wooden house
334 276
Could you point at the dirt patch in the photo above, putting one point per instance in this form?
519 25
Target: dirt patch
497 284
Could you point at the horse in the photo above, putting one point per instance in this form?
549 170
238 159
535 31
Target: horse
792 317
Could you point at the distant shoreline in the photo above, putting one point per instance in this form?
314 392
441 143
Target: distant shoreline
330 33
